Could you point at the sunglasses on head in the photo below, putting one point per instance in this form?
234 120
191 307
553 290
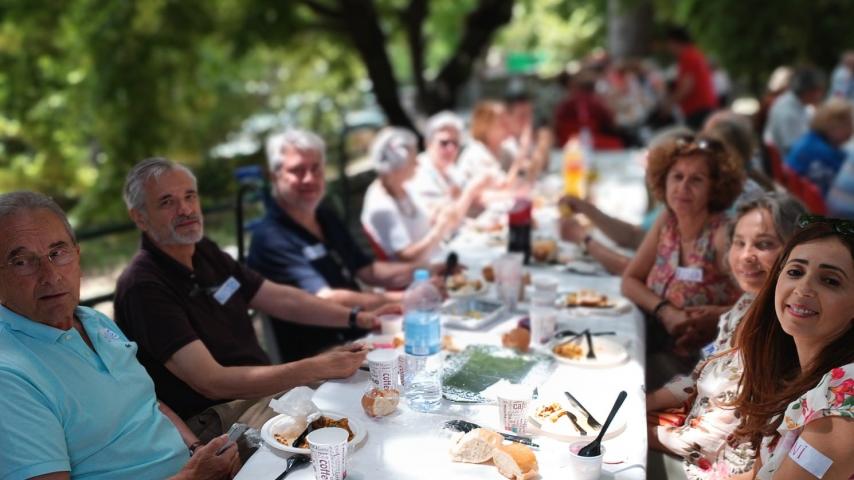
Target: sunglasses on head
691 144
842 227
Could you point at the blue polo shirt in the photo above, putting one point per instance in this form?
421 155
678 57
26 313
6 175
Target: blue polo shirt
286 252
68 408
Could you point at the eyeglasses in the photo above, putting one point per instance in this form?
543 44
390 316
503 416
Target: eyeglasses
25 265
446 143
689 144
842 227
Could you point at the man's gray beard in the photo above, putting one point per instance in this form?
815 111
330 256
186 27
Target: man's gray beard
175 238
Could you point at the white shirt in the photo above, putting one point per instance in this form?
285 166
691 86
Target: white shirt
394 224
842 83
428 188
477 159
788 120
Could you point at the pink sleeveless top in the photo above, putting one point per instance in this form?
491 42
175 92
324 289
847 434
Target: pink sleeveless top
715 287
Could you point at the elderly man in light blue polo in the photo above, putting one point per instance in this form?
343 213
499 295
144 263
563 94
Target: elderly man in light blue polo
75 402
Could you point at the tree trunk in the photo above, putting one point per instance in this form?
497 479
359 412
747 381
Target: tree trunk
629 28
412 19
480 26
363 26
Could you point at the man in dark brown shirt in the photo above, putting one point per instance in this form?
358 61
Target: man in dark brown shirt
185 301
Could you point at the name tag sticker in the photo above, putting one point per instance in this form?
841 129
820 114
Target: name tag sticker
689 274
226 290
313 252
809 458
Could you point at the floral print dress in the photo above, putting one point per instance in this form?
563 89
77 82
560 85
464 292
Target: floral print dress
716 286
702 439
833 396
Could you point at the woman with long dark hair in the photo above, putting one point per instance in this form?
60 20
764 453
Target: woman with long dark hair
796 398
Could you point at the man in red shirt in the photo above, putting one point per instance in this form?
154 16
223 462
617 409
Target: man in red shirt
694 91
583 108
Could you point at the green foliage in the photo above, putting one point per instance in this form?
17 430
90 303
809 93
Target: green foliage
38 93
88 88
559 30
752 37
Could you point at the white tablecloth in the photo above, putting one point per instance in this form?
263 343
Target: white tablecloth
412 445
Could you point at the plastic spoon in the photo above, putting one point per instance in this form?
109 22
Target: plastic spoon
450 265
593 449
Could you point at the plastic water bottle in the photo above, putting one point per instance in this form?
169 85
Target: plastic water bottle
422 329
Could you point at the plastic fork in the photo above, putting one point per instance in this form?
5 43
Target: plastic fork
292 463
574 421
590 353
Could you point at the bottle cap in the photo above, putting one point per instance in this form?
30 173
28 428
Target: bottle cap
421 274
520 214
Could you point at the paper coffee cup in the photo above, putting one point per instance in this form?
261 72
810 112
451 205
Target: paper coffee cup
545 285
383 367
585 468
401 366
328 453
391 324
543 323
513 401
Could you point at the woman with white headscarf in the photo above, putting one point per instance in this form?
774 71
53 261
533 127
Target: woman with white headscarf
395 223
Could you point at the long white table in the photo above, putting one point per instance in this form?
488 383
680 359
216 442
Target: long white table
412 445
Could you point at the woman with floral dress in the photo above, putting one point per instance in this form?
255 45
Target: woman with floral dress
678 275
797 346
762 225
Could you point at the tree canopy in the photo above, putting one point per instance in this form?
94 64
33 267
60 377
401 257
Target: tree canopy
88 88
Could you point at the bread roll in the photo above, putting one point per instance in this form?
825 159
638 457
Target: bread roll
475 446
518 338
544 250
379 403
515 461
488 273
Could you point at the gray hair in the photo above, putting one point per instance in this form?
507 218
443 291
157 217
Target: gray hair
14 202
301 140
784 209
150 168
392 148
442 121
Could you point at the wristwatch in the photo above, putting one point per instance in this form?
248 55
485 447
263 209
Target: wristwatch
195 446
354 315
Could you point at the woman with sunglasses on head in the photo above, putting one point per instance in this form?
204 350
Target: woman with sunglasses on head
689 417
623 234
678 275
797 347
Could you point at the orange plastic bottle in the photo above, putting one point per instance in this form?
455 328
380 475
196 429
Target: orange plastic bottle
574 169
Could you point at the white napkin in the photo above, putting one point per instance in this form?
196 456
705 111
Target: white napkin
299 409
